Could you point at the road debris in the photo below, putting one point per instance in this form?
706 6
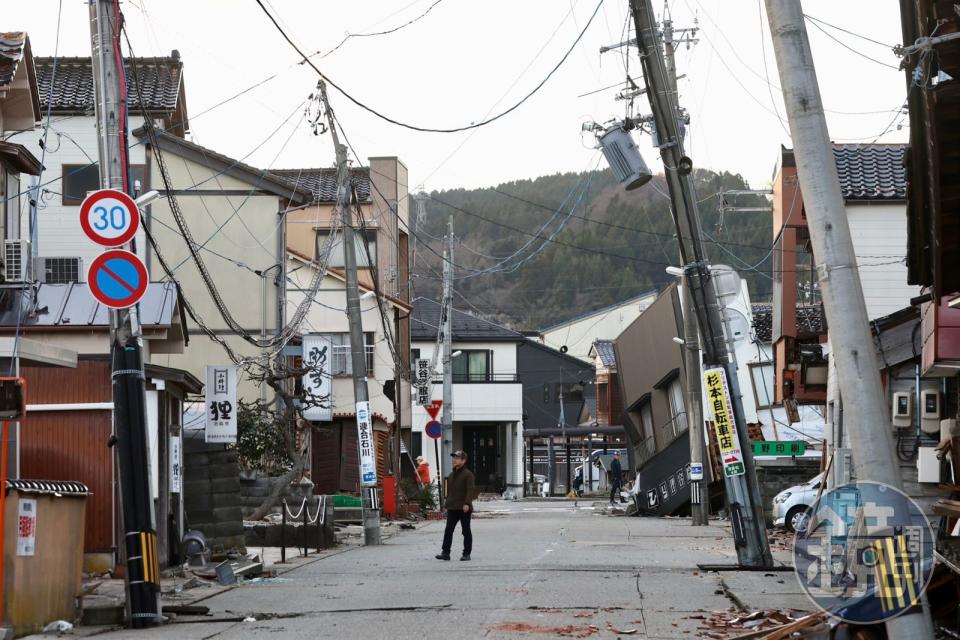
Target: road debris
731 623
568 631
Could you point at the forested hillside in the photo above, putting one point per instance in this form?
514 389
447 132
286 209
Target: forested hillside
531 253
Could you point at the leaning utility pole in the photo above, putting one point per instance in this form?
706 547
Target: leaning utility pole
746 508
446 444
358 350
699 496
854 353
139 545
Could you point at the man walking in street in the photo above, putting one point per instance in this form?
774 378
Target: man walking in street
459 505
616 477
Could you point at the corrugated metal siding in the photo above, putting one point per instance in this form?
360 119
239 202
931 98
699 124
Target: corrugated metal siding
72 445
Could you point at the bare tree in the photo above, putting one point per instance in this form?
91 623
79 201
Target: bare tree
292 399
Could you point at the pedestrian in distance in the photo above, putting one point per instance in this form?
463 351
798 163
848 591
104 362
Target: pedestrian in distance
459 505
423 471
616 477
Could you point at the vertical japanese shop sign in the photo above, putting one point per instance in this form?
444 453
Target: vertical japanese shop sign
368 456
221 404
317 383
724 423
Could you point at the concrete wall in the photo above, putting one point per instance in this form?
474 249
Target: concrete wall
579 335
879 234
72 140
233 228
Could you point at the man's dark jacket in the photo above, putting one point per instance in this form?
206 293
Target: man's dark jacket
459 489
616 473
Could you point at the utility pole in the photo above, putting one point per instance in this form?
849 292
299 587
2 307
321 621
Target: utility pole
746 508
139 546
358 349
853 354
699 497
446 446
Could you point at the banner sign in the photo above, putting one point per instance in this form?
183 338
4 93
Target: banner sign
221 404
176 465
778 448
317 383
723 421
423 382
27 527
368 456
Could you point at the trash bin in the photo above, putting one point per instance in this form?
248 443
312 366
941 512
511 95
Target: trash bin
43 530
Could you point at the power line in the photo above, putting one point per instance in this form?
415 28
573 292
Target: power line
381 33
398 123
852 33
851 49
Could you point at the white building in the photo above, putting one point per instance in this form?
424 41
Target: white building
487 397
576 336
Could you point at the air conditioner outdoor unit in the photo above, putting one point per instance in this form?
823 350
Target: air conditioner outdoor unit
18 266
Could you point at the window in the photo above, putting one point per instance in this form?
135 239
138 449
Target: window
677 407
473 365
61 270
415 354
336 253
79 179
648 445
762 377
11 220
341 364
572 391
646 417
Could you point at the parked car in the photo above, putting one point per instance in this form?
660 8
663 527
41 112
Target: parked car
791 506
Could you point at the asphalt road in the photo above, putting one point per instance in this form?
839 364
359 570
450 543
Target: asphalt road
539 570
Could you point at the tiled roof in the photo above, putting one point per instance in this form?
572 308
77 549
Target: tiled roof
466 328
12 46
810 320
160 83
323 182
871 171
605 351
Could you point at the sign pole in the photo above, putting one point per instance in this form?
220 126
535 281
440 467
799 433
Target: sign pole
139 545
436 456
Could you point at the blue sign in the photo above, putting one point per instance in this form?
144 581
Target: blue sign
434 429
117 279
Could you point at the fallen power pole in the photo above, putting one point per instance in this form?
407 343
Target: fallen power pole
852 348
139 545
366 446
746 508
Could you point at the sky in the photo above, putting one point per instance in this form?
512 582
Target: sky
465 60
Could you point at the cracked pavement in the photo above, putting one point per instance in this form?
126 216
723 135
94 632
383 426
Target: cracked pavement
539 570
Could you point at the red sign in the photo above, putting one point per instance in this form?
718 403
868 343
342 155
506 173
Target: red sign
434 408
117 279
109 217
434 429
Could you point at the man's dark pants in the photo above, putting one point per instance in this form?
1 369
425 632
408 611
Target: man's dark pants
615 492
453 517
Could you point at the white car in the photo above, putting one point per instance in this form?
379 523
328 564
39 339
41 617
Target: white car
791 506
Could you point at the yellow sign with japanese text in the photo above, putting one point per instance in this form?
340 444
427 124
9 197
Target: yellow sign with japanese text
724 422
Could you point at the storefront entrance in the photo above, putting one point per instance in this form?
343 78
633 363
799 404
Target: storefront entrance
482 444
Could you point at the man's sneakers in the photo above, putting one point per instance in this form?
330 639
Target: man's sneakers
465 557
443 556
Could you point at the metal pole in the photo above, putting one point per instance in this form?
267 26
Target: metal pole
742 490
446 447
283 532
358 350
854 352
436 455
306 509
699 505
139 546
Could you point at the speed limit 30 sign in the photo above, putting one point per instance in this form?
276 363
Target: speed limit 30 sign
109 217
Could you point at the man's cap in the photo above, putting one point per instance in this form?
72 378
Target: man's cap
459 453
616 454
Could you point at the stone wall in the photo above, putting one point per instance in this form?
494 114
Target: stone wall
252 492
211 494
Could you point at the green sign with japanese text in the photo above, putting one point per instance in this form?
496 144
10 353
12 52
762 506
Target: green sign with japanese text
785 448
